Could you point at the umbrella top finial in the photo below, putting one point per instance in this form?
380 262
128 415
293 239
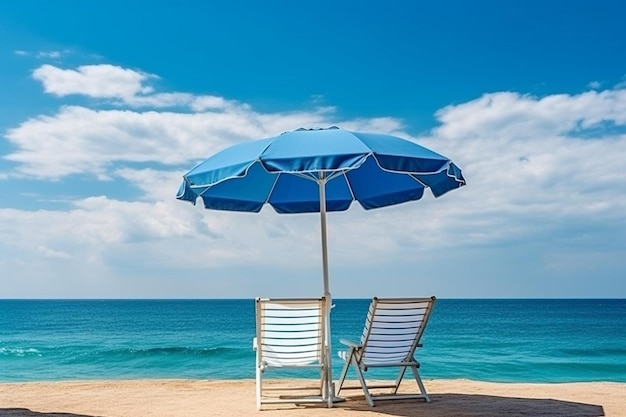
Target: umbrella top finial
313 128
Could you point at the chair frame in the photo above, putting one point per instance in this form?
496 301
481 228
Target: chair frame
285 325
391 316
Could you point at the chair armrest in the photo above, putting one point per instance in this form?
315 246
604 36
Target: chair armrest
349 343
254 344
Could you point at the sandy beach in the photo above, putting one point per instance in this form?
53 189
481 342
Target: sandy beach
189 398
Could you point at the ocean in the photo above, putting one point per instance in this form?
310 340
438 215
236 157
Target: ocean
500 340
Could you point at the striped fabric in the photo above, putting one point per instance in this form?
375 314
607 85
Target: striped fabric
392 332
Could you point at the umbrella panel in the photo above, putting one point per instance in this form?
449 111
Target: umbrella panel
374 188
283 198
245 193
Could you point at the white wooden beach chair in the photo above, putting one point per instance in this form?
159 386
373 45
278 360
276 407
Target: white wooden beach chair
392 333
290 333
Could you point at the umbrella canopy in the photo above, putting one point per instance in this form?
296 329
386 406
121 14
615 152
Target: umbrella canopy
319 170
286 171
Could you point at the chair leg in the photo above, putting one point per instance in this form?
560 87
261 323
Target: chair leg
344 371
418 379
359 374
399 379
259 389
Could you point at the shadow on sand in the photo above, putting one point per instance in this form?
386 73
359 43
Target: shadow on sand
441 405
476 405
25 412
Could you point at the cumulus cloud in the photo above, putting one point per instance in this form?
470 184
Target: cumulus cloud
541 158
97 81
120 86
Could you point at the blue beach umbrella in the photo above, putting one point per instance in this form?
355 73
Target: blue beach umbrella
319 171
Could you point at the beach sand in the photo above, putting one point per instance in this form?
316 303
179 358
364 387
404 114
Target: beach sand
189 398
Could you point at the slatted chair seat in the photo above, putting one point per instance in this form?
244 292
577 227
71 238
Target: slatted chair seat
290 333
393 330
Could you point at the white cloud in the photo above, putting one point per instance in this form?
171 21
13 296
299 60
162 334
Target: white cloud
100 220
55 55
51 253
52 54
203 103
594 85
531 167
516 117
122 86
97 81
160 100
156 185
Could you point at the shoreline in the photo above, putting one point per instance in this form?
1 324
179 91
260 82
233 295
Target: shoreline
194 397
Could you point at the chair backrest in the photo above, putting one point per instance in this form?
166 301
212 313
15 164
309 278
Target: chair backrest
290 332
393 328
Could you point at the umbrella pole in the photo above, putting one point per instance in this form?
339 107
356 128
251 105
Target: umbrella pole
329 391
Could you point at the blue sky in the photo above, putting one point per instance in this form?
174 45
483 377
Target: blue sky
105 105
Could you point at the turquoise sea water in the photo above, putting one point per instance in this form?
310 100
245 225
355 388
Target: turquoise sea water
491 340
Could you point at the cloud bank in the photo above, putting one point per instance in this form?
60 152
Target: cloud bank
545 190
